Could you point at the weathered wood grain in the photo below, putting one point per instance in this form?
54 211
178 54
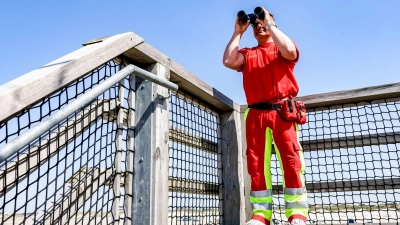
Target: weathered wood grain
130 153
42 82
232 169
191 140
145 54
348 186
351 141
27 162
352 96
83 184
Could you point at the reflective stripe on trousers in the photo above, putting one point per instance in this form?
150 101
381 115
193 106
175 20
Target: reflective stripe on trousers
261 203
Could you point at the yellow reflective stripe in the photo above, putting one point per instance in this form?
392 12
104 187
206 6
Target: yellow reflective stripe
295 198
267 214
303 167
291 212
245 114
267 199
297 135
303 164
278 155
267 158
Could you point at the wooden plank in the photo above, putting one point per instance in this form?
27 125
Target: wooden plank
360 96
348 186
352 96
145 54
118 155
188 139
185 138
27 162
201 187
180 185
130 153
194 187
84 183
231 162
42 82
246 176
351 141
150 200
160 156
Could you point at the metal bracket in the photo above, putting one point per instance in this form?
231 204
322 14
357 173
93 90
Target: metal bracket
162 98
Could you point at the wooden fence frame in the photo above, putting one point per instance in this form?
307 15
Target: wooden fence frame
131 48
30 88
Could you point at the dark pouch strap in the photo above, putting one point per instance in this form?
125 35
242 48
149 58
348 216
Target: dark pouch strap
265 106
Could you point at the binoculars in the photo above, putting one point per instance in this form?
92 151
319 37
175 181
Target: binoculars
258 13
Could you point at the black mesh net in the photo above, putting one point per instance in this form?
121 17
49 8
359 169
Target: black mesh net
352 156
193 166
66 175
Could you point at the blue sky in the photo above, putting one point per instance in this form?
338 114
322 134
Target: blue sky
344 44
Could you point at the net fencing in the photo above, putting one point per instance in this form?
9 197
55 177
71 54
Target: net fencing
72 173
66 175
352 172
194 171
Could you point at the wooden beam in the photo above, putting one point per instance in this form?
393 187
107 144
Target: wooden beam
191 140
231 174
130 153
351 141
160 167
352 96
30 88
349 98
179 185
21 166
150 181
194 187
348 186
118 155
84 183
180 136
147 54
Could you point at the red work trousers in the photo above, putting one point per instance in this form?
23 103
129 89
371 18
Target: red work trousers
265 128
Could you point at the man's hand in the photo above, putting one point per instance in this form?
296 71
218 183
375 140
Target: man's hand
232 58
240 27
267 18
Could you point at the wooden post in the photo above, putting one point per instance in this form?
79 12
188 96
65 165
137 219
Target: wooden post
233 206
130 153
118 153
246 176
150 185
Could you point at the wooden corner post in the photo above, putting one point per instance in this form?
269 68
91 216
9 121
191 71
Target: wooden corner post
150 184
232 191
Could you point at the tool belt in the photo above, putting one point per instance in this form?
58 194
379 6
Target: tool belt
289 109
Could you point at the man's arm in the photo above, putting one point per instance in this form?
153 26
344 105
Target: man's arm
281 40
232 58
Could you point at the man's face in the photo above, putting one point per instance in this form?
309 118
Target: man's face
259 31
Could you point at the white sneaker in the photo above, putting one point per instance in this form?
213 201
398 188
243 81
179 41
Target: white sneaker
254 222
298 221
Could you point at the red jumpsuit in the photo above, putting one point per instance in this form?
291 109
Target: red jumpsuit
268 77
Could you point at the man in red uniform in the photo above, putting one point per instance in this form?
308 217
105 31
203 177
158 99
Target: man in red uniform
267 80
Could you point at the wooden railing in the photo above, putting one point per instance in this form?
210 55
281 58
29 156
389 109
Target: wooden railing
151 184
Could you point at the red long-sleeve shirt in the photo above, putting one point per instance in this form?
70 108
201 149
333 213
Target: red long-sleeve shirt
267 75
